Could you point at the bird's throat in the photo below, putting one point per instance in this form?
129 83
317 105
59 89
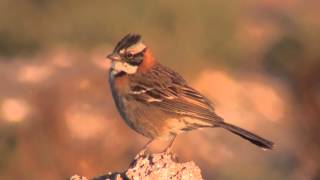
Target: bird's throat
120 66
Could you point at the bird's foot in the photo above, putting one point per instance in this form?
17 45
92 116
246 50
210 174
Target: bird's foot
144 151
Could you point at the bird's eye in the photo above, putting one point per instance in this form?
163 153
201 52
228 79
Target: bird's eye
129 55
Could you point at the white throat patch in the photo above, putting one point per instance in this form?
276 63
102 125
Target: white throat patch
118 66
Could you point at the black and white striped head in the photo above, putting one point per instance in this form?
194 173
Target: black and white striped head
128 54
129 49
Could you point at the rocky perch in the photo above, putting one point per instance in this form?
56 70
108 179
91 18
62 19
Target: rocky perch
153 166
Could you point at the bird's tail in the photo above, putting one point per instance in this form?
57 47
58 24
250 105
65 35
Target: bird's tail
255 139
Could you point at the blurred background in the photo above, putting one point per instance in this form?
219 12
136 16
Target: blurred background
258 61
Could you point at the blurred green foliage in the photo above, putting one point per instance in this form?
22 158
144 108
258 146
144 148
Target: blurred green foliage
186 30
179 29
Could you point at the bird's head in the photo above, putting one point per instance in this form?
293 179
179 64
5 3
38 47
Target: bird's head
130 54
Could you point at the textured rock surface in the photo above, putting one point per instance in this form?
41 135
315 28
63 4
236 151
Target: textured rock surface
153 166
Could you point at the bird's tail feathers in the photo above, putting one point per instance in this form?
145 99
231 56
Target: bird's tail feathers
253 138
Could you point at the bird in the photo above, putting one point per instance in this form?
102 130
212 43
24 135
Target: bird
156 101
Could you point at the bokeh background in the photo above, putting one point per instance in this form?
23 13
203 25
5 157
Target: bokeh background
259 61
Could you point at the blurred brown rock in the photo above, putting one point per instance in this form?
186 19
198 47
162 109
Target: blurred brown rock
153 166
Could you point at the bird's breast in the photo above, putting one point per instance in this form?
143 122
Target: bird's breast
119 85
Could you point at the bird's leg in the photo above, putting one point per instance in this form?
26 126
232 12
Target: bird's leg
144 148
146 145
168 148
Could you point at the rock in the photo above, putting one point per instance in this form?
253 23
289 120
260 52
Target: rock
77 177
159 166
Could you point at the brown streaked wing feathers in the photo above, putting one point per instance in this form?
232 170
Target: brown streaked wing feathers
166 89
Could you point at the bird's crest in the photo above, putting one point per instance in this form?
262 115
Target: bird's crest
127 41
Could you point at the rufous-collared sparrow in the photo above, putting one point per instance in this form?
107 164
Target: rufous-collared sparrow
156 101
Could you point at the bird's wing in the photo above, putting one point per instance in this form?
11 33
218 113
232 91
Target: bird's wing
167 90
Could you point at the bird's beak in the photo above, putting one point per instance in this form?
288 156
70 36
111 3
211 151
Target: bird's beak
114 57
